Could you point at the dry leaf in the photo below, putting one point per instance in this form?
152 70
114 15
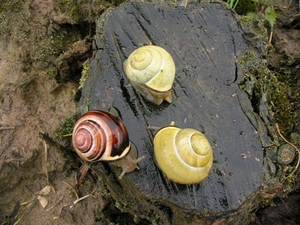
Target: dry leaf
46 190
43 201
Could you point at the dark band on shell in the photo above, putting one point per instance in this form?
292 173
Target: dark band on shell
100 136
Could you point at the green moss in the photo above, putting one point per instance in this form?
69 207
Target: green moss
65 128
75 13
78 11
51 45
84 74
281 105
11 11
274 97
10 6
286 97
290 75
259 81
249 55
52 72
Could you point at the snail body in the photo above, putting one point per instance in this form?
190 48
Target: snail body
151 71
184 155
102 136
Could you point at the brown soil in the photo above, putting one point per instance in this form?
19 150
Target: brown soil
43 45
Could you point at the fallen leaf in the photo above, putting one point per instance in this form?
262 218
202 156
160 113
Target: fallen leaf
43 201
46 190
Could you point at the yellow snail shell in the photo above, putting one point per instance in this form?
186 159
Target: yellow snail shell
184 155
151 71
102 136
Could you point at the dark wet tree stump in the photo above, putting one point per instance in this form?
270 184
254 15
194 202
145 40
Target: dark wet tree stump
205 41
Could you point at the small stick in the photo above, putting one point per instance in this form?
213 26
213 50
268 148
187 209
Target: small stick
270 37
7 128
84 197
26 210
72 189
55 204
46 160
77 197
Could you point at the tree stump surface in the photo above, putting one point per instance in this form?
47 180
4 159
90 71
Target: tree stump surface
205 41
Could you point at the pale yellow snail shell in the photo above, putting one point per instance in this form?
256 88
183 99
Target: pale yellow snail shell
151 71
184 155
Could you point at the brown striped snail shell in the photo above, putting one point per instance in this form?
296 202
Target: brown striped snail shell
102 136
184 155
151 71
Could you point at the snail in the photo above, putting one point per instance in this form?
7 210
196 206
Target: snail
151 71
102 136
286 154
184 155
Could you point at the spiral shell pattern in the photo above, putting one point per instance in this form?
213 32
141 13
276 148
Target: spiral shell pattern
151 70
99 135
184 155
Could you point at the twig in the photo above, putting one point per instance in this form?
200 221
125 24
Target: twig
55 204
7 128
57 217
46 160
84 197
287 208
271 36
77 197
79 178
63 151
26 210
72 189
297 149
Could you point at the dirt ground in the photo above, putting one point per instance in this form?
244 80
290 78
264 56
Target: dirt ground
43 45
